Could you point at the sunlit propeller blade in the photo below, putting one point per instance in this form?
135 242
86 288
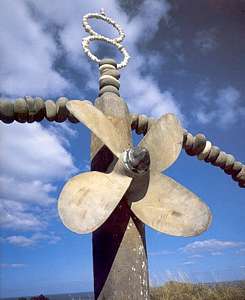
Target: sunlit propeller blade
99 124
88 199
164 142
169 207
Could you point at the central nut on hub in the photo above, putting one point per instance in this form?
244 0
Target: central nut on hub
137 160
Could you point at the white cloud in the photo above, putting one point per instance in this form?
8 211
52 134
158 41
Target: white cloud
227 105
10 266
30 151
188 262
217 253
196 256
37 60
27 53
32 158
241 251
206 40
223 106
34 191
16 216
64 132
162 252
23 241
211 245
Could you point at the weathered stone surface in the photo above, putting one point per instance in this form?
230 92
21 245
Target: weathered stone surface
62 112
242 184
108 80
31 109
213 154
236 168
204 154
220 160
39 106
142 124
134 121
241 175
114 73
189 142
109 89
108 61
229 163
198 146
6 111
185 132
50 110
238 171
20 110
106 67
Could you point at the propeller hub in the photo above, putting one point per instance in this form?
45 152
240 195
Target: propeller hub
137 160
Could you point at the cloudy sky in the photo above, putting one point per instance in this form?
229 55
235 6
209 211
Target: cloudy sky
187 57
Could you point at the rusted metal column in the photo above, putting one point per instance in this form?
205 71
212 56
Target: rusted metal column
119 249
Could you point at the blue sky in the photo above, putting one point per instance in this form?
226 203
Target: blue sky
186 58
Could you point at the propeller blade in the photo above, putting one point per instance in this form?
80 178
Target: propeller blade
88 199
99 124
169 207
164 142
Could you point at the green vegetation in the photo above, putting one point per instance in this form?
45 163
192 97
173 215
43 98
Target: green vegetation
188 291
41 297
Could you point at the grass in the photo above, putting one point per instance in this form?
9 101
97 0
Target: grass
173 290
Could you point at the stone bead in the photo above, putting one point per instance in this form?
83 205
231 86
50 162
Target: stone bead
108 80
134 121
242 184
204 154
142 124
39 106
51 110
229 163
114 73
220 160
240 175
185 132
213 154
108 61
110 89
6 111
31 109
198 146
236 168
189 141
106 67
61 109
20 110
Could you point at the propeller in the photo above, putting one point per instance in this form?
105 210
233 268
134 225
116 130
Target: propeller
88 199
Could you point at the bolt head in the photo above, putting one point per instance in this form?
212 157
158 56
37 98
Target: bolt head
137 160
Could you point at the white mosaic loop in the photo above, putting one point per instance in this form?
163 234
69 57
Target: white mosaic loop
94 36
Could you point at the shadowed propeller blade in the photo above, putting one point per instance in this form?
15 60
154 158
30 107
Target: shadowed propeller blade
99 124
164 142
88 199
170 208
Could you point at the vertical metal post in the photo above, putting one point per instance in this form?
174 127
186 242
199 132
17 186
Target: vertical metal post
119 249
